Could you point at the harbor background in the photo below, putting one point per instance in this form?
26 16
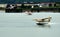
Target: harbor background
22 25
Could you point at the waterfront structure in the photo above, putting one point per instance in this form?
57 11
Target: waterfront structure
31 6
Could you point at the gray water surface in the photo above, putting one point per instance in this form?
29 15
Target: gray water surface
23 25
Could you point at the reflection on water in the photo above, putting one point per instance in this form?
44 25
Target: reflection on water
44 26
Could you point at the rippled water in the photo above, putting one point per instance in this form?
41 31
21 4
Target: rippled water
23 25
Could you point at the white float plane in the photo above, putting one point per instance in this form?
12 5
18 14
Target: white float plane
43 20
